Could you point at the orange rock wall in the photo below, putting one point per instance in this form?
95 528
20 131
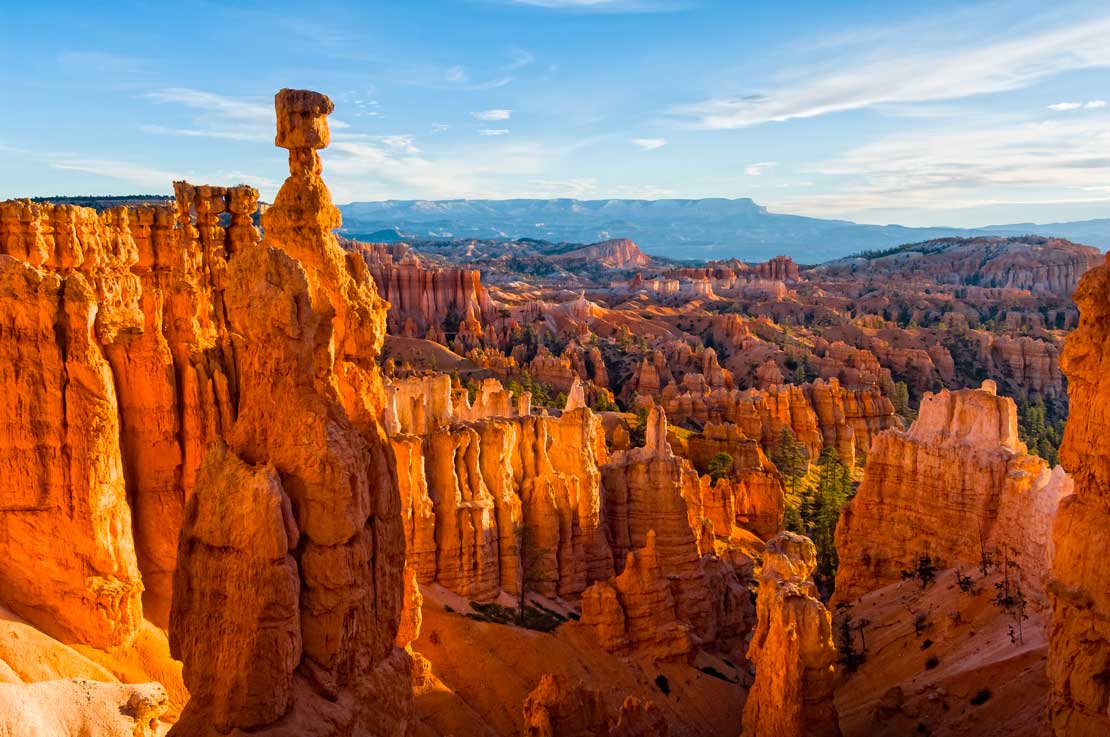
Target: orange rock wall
957 483
1079 637
484 500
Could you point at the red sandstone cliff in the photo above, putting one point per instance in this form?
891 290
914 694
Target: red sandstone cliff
957 484
619 253
1079 639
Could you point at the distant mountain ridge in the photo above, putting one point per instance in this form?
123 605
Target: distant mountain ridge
701 229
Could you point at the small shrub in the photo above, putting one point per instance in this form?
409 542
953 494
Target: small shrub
926 644
932 662
663 684
964 582
924 570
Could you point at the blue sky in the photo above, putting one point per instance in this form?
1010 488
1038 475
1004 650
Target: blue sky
922 114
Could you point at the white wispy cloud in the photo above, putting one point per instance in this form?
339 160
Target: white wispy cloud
490 115
759 167
455 77
229 134
137 177
957 167
140 175
440 127
650 143
1069 106
493 132
519 58
213 103
953 69
491 168
400 142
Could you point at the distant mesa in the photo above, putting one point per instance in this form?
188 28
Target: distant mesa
696 229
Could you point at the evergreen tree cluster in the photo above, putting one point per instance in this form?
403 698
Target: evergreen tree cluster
1040 432
813 509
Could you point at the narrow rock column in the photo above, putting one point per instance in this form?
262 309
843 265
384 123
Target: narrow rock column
792 648
289 587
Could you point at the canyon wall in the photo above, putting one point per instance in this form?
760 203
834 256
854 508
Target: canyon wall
955 486
115 330
820 414
495 504
1079 637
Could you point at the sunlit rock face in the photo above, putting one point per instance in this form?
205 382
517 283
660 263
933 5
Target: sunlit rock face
490 502
820 414
959 483
309 647
1079 638
171 375
792 648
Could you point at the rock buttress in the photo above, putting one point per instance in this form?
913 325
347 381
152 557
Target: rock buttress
1079 637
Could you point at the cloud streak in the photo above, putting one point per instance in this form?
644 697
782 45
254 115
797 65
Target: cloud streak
892 77
953 168
650 144
212 103
759 168
491 115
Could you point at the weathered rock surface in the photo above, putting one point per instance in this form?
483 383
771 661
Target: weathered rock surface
619 253
65 525
650 491
308 647
1079 638
558 709
636 611
500 503
750 495
1035 263
959 483
820 414
792 648
78 707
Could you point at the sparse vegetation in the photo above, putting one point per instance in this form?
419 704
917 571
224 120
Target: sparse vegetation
719 466
924 570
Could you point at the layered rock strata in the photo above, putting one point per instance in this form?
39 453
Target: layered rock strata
821 414
958 485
